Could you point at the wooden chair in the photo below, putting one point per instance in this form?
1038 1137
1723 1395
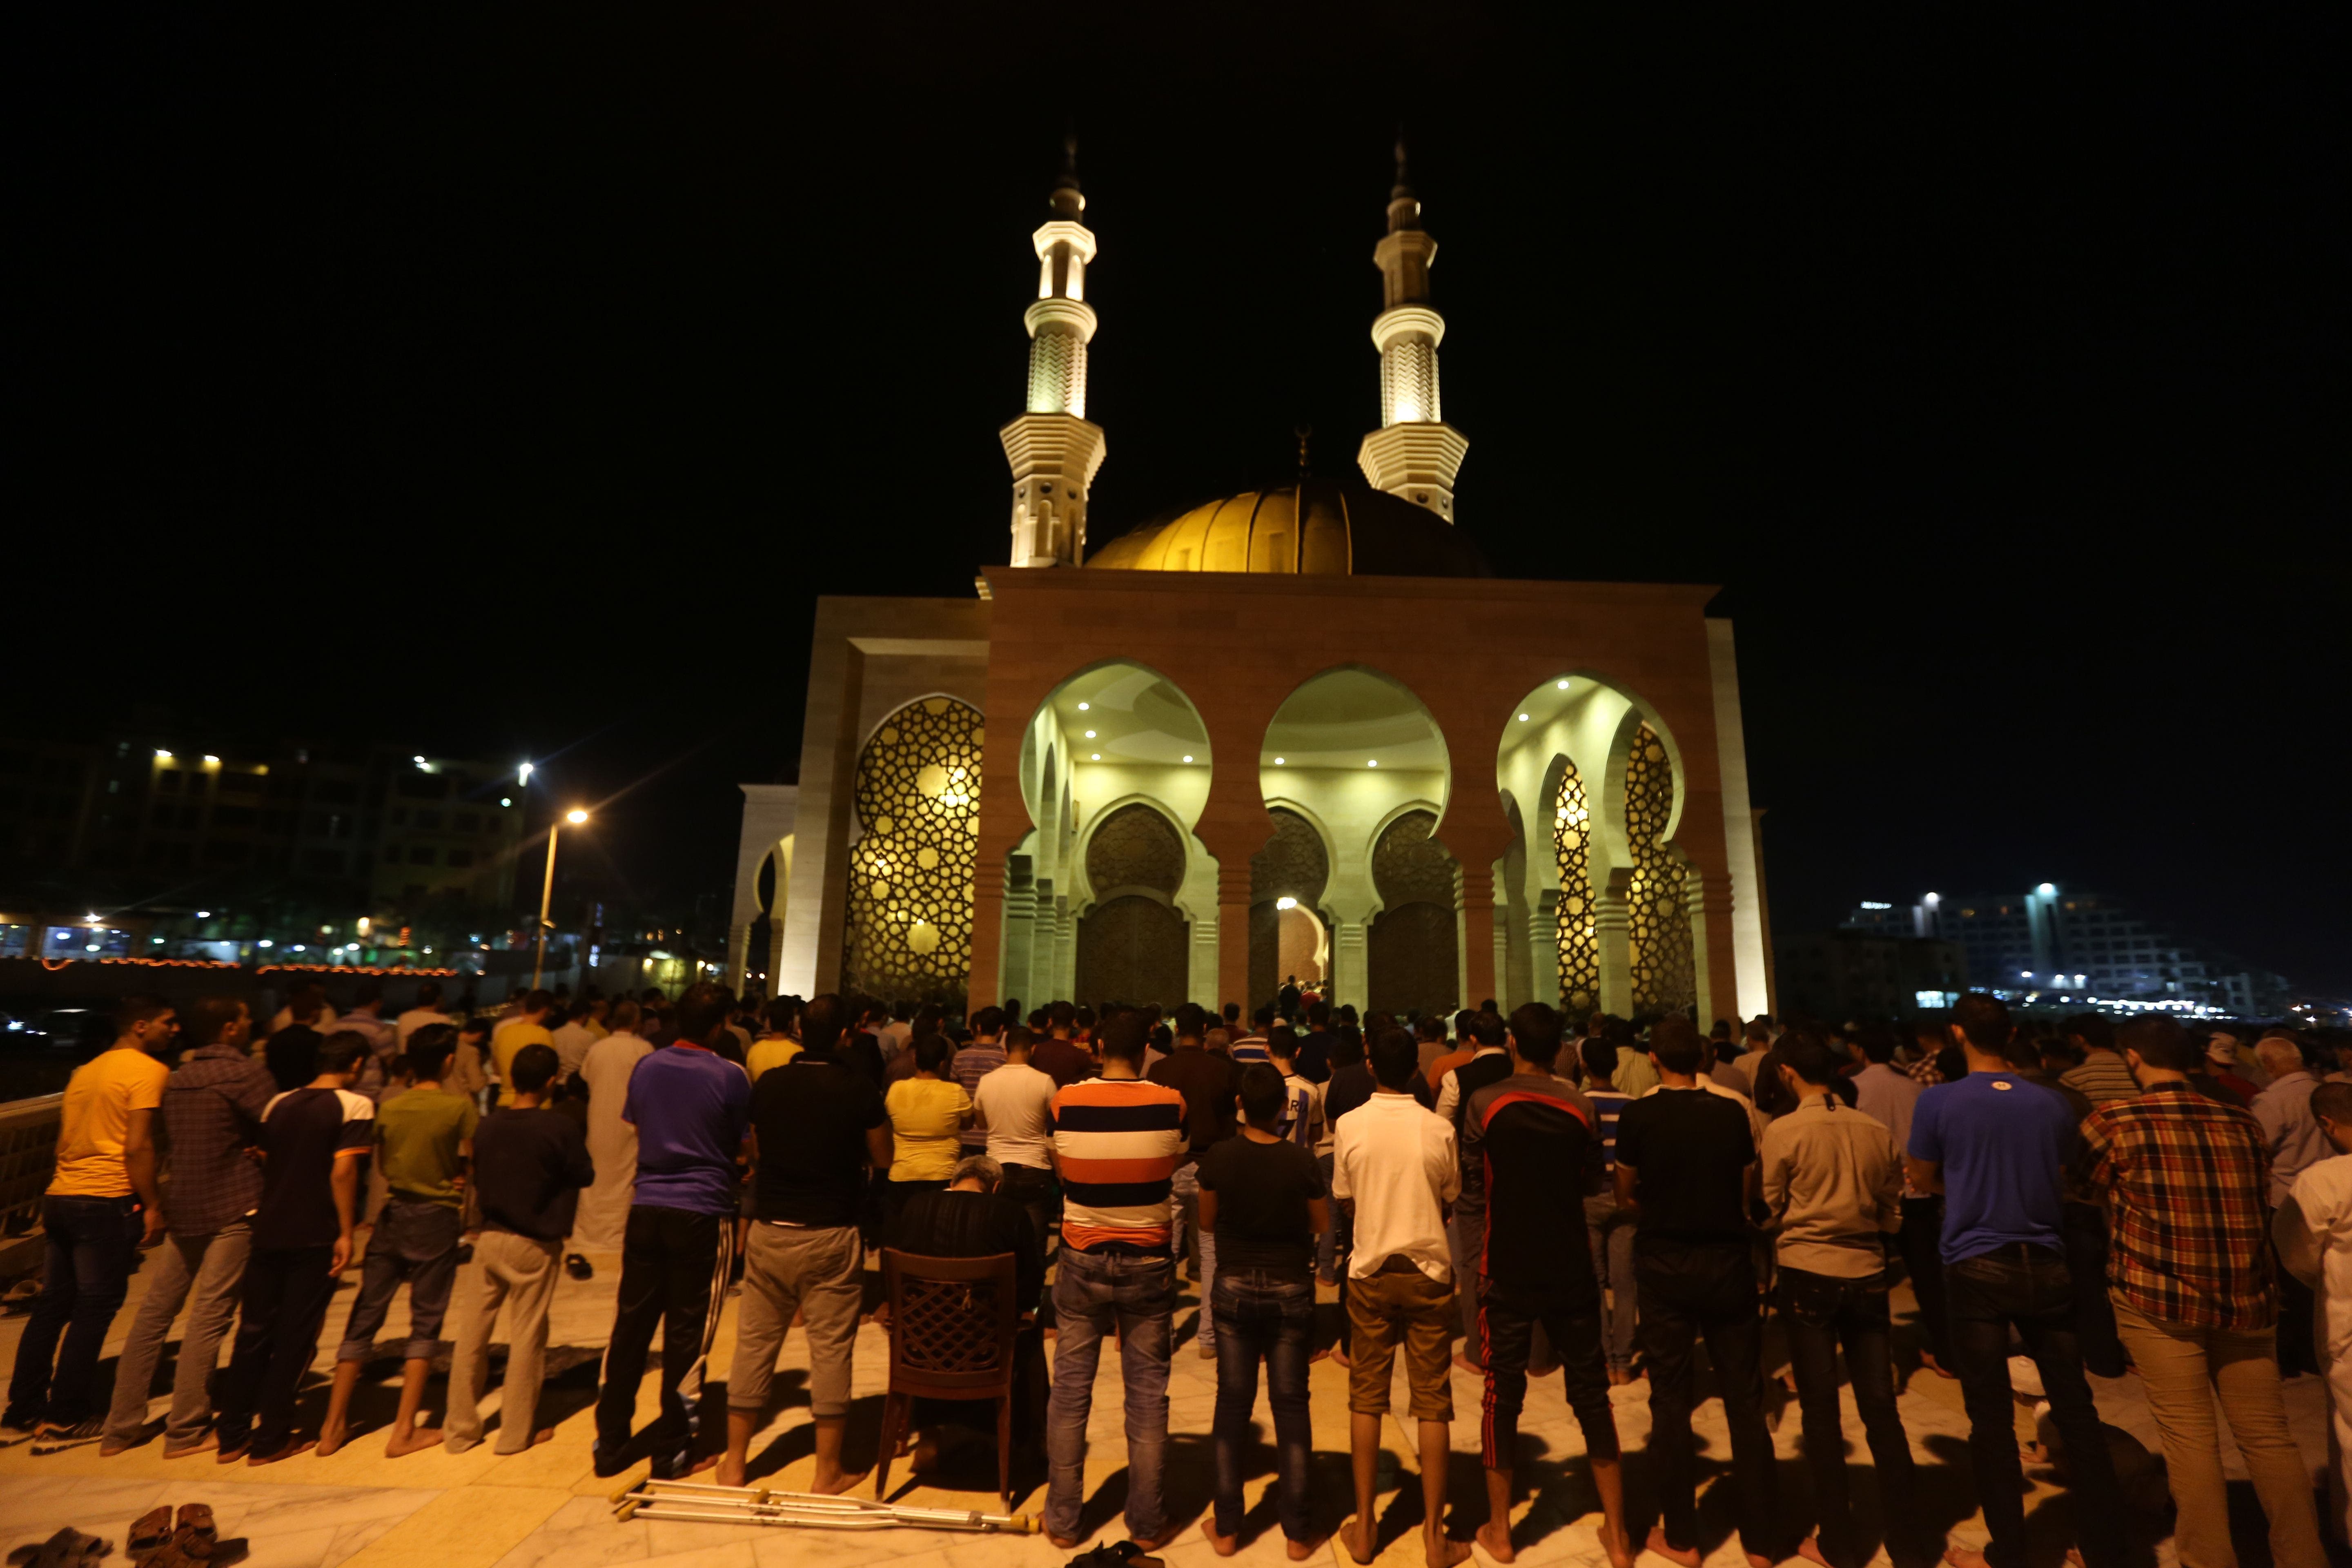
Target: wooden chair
953 1325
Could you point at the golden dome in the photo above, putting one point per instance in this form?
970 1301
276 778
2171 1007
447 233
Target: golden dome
1314 526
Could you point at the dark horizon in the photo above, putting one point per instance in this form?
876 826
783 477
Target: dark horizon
512 386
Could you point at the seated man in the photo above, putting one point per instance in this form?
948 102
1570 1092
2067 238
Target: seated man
973 1218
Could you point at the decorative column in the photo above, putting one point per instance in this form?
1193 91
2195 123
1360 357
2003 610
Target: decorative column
1232 929
1352 980
1543 948
1478 947
1020 929
1713 968
1414 453
1054 452
1612 929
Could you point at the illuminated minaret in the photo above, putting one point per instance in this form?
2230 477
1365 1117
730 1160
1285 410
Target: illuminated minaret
1055 452
1414 453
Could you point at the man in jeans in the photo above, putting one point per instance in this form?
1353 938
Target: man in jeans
1400 1165
1489 1063
91 1217
1995 1146
212 1114
1684 1155
1264 1193
1116 1140
1532 1136
1833 1185
690 1107
816 1127
424 1138
2187 1179
1208 1082
530 1163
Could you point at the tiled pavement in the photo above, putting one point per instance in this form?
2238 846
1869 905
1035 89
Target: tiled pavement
545 1509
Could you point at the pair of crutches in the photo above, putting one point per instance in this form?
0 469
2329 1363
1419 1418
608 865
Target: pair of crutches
652 1498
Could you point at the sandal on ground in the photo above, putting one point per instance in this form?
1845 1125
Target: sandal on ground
197 1517
149 1533
68 1548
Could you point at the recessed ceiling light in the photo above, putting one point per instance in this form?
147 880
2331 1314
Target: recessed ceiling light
1373 763
1523 718
1277 762
1096 758
1084 706
1090 734
1187 758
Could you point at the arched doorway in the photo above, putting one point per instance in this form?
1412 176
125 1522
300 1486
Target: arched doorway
1352 751
1414 946
1111 736
1287 882
1132 943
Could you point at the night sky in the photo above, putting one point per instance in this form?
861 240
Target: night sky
508 381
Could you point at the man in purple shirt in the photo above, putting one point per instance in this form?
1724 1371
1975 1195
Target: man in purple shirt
690 1107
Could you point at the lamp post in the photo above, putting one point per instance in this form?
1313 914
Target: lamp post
547 894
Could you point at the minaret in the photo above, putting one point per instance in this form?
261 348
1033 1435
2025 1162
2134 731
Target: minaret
1053 451
1414 453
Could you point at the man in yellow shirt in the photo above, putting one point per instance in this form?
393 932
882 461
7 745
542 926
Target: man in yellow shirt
92 1214
528 1028
776 1045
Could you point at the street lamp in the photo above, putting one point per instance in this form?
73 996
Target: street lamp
547 892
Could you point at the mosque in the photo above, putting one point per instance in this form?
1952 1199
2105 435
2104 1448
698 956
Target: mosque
1297 730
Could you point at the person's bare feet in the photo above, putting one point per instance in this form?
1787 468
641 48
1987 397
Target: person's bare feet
544 1435
1339 1356
1442 1551
331 1436
1689 1556
1965 1557
1619 1544
1300 1551
1757 1560
1494 1535
1226 1545
1809 1549
1356 1535
293 1446
1472 1367
1932 1364
419 1438
731 1469
1154 1543
836 1483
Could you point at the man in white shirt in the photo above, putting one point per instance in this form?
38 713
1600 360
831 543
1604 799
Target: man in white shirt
2313 1231
426 1011
573 1039
1013 1105
1398 1165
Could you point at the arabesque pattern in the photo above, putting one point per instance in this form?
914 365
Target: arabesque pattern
1579 943
1664 980
910 875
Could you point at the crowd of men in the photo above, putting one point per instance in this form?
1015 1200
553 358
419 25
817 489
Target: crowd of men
2118 1200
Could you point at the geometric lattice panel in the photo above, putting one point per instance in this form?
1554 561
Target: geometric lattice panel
1134 847
1579 943
1411 865
910 876
1658 918
1413 952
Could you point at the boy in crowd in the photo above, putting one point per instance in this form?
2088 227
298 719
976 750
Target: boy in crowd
424 1138
313 1140
1397 1162
530 1163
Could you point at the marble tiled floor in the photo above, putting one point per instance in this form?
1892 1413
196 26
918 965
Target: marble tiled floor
545 1509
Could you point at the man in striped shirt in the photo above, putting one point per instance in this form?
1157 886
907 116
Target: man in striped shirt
1116 1140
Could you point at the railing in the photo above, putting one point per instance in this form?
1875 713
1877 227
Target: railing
28 1157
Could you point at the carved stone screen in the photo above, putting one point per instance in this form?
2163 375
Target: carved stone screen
1291 865
1579 943
1133 947
1665 978
917 795
1413 952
